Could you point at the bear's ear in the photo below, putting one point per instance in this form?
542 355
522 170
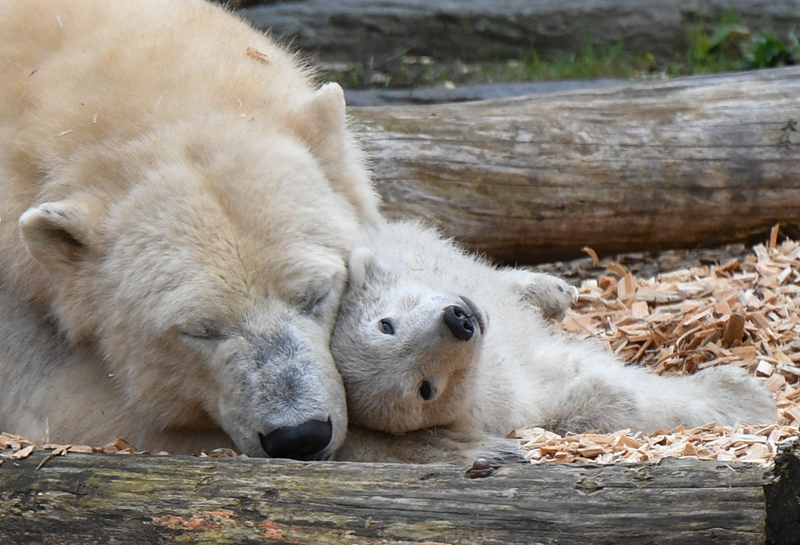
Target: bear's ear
61 234
322 123
361 265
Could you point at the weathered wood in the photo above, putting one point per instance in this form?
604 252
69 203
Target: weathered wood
469 93
476 30
783 498
645 166
145 499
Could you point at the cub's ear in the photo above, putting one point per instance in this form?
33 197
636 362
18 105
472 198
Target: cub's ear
361 265
61 234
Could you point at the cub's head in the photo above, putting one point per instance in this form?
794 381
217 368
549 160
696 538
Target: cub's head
403 349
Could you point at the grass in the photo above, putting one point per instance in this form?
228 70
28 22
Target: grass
604 61
725 45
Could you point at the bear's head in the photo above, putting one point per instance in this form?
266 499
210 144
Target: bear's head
404 350
207 267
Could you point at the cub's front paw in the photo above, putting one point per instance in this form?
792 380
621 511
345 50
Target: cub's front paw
550 294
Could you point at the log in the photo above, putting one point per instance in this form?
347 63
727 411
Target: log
92 498
644 166
783 499
469 93
487 30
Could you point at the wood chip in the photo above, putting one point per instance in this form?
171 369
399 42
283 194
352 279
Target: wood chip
254 53
640 310
775 382
593 255
734 328
23 453
764 368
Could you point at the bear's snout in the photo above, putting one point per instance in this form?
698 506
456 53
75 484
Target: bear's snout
305 441
461 321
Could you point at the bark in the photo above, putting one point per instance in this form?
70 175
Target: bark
783 498
151 499
486 30
644 166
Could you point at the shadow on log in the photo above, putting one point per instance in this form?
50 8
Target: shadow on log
645 166
149 499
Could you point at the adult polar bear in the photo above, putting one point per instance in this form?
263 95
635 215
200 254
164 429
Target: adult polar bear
163 172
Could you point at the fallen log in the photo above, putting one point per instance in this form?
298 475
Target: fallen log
487 30
644 166
470 93
152 499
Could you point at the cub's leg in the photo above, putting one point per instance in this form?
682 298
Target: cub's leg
610 399
427 446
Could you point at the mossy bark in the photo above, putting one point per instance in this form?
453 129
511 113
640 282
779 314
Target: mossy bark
783 499
151 499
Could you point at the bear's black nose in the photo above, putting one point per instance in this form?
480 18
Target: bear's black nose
305 441
459 322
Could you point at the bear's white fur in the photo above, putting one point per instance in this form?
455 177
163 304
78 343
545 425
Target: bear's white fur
166 274
406 368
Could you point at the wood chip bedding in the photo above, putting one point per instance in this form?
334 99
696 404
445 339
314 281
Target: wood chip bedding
742 311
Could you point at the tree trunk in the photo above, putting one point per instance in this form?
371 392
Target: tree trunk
645 166
487 30
151 499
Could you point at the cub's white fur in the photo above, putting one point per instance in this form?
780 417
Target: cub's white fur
405 369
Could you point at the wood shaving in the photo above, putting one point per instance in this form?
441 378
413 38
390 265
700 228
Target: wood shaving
756 444
254 53
741 312
20 448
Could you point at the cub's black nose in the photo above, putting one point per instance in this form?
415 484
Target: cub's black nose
459 322
305 441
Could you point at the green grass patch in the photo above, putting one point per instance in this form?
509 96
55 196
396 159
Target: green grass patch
604 61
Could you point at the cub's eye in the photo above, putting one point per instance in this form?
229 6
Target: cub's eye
386 326
426 390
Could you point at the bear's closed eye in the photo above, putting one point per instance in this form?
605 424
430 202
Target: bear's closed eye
202 331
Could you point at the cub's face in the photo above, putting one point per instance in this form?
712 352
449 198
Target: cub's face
403 349
212 291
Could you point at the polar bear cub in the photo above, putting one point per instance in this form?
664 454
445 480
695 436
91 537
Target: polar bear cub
430 336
